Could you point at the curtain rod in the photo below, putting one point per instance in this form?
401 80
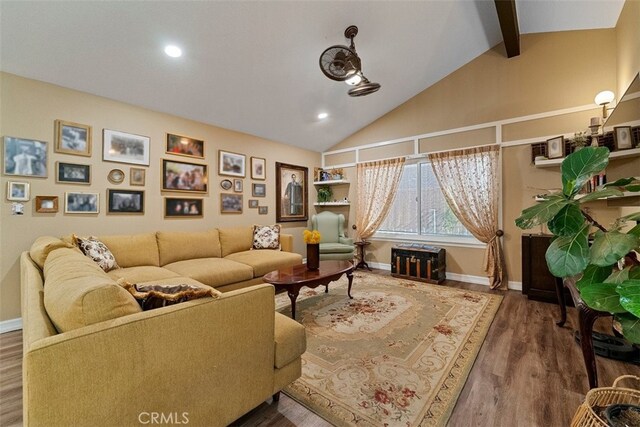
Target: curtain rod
425 155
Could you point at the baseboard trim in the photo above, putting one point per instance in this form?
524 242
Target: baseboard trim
467 278
10 325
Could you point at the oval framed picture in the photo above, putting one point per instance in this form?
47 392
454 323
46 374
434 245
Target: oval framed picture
116 176
226 184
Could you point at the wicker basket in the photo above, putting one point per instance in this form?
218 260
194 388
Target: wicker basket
604 396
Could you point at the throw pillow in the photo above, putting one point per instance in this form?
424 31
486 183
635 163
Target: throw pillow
266 237
97 251
151 296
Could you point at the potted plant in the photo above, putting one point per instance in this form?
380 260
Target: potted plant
579 140
607 270
324 194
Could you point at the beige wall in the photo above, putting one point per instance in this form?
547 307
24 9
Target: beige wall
628 44
28 110
551 73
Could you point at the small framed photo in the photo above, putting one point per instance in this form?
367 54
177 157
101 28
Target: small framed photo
183 176
116 176
72 138
181 207
231 164
291 193
125 201
122 147
185 146
72 173
253 203
258 190
25 157
230 203
137 176
46 204
258 168
237 185
622 137
81 203
17 191
226 184
263 210
555 147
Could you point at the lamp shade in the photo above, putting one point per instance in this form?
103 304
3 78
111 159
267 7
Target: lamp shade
604 97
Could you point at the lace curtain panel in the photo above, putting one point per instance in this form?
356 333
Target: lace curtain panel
469 179
377 185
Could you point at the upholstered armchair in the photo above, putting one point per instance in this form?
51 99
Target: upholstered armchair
333 243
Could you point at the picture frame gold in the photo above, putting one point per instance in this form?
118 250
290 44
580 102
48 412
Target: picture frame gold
291 193
179 177
258 168
46 204
116 176
137 176
183 207
230 203
72 138
181 145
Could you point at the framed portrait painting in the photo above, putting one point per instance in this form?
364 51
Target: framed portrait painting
291 193
137 176
183 176
185 146
122 147
72 138
231 164
258 168
182 207
25 157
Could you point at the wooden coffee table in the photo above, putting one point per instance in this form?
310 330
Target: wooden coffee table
292 279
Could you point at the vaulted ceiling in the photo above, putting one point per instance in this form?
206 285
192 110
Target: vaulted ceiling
253 66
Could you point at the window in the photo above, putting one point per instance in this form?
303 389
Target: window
419 209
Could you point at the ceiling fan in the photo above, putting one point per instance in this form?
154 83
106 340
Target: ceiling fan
342 64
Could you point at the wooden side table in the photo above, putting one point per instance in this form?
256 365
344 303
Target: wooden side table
361 254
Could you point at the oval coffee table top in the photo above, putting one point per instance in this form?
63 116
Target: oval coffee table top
300 274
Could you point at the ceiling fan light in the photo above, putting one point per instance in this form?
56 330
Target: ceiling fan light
354 80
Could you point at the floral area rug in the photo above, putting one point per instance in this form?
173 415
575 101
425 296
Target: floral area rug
397 354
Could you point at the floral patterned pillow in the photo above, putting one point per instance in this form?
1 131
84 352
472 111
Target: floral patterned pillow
97 251
266 237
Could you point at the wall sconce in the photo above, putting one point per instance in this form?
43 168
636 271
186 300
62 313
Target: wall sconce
604 98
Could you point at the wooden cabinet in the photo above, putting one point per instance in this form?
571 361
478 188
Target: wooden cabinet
537 282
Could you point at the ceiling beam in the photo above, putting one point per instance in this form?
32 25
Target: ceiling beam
509 25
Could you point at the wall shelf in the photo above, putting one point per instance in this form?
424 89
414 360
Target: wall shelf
331 182
332 204
621 154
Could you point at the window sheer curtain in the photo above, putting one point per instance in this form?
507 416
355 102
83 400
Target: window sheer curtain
377 185
469 179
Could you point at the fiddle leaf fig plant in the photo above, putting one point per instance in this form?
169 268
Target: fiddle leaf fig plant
604 261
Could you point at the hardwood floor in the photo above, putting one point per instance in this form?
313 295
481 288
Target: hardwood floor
529 372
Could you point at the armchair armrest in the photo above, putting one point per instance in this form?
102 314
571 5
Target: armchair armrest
345 240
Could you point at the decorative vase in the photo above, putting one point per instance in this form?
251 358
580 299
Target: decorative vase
313 256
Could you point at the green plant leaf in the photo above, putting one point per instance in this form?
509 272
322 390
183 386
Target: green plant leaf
602 297
600 194
620 182
629 291
630 327
618 276
542 212
609 247
634 272
593 274
580 165
568 255
634 188
635 230
568 220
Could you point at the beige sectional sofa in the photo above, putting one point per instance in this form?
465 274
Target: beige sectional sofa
92 357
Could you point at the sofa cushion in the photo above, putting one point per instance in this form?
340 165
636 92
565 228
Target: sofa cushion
133 250
44 245
335 248
78 293
234 240
262 261
290 340
178 246
144 273
212 271
266 237
97 251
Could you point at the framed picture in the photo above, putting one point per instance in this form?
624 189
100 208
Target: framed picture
72 138
81 203
555 147
72 173
258 190
46 204
185 146
125 201
230 203
17 191
182 176
226 184
137 176
253 203
258 168
622 137
180 207
291 193
116 176
25 157
124 147
263 210
237 185
231 164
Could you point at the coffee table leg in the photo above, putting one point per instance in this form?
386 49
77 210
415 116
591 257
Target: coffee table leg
293 296
350 277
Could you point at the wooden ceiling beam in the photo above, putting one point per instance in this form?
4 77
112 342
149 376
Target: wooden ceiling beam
509 25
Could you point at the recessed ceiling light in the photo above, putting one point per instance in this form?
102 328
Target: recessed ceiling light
173 51
322 116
